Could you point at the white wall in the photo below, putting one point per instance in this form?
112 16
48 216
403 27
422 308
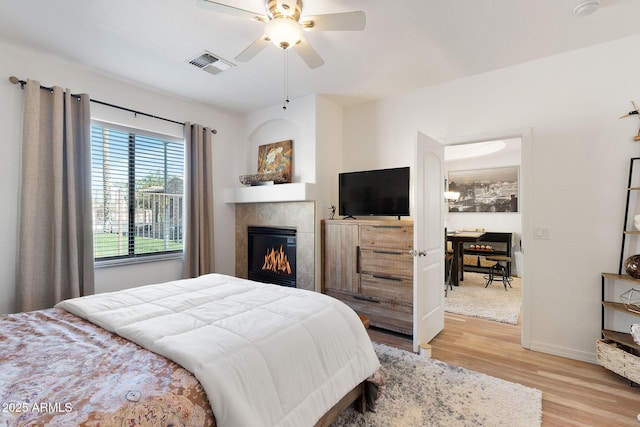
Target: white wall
328 157
24 64
575 169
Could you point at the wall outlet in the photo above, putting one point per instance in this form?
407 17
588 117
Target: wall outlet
542 232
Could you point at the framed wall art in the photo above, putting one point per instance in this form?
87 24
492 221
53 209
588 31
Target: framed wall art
485 190
276 158
274 164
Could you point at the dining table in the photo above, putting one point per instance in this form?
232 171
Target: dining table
457 238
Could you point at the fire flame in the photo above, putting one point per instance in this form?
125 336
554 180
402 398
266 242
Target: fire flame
276 261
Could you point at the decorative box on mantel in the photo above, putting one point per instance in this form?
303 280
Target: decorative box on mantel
293 192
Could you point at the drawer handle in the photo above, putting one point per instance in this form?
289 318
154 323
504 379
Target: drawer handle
395 279
387 252
387 226
363 298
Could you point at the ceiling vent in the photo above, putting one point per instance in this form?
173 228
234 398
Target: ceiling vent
210 63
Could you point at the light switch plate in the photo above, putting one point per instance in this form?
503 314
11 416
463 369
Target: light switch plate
542 232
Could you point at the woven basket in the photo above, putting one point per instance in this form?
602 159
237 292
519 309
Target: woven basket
471 260
617 360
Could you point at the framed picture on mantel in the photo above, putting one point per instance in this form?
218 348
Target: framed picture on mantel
485 190
276 158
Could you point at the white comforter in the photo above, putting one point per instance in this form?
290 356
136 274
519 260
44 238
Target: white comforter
266 355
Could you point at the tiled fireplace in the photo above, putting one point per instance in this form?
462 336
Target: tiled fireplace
298 216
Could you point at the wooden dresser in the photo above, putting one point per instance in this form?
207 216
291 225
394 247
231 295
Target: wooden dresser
367 264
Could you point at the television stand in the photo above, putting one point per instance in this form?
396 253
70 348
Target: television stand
353 217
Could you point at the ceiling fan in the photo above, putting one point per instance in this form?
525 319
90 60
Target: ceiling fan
284 25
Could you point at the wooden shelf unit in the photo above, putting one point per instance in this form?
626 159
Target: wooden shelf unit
623 338
616 350
501 244
626 351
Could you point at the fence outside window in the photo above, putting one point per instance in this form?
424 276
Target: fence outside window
157 228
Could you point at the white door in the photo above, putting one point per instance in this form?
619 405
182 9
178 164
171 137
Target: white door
428 240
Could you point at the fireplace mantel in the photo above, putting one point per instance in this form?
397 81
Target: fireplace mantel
294 192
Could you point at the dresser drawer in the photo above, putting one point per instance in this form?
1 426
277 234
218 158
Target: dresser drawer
384 314
391 288
387 236
397 321
387 262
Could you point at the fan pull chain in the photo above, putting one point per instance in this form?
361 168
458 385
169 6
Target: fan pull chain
286 80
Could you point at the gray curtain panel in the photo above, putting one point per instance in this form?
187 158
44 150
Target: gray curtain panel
55 254
198 240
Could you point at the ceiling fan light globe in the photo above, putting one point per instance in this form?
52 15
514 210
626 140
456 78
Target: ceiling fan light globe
283 32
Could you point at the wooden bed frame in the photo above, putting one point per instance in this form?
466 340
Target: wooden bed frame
355 397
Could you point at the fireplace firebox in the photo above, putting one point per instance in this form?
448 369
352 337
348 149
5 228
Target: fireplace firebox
272 255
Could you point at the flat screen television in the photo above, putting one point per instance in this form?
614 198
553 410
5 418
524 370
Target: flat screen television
381 192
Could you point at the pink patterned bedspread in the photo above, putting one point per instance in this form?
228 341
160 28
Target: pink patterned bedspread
57 369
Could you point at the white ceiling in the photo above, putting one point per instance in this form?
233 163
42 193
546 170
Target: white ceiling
406 43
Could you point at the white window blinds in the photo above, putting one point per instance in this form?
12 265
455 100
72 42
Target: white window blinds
138 190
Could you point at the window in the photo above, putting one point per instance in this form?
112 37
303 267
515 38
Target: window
138 190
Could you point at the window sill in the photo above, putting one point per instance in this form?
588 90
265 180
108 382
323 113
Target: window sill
137 260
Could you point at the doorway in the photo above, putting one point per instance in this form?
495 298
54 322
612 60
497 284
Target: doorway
497 150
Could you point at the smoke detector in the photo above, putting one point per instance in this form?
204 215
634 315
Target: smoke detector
210 63
585 7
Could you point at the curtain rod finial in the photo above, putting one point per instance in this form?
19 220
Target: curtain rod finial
14 80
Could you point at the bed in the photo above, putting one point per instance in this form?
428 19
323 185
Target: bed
215 350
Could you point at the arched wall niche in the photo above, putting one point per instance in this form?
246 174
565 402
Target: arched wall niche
276 130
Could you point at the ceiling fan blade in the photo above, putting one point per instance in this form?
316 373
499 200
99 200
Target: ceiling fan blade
347 21
308 54
230 10
253 49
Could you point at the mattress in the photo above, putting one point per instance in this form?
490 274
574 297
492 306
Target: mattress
266 355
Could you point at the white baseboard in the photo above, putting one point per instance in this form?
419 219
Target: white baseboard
569 353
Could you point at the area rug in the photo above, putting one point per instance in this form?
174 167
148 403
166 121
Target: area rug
424 392
471 298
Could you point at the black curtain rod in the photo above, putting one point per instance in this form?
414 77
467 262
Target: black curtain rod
15 80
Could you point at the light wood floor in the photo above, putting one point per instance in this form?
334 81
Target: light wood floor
573 393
